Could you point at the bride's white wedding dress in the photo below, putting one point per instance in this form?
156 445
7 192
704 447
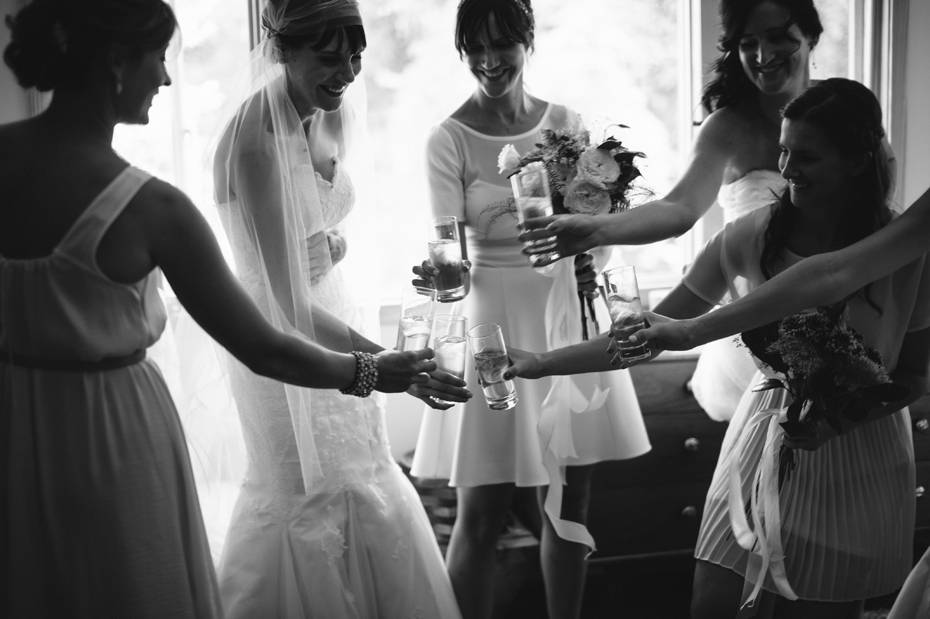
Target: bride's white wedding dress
365 551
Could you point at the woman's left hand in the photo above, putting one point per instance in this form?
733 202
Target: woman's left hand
523 364
441 386
813 437
621 332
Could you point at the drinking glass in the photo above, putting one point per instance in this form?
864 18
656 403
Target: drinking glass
445 253
626 309
490 353
531 193
417 306
449 345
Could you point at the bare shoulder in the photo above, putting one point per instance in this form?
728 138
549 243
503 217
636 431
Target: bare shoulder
160 204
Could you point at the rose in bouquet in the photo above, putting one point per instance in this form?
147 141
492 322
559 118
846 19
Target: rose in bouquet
828 370
583 178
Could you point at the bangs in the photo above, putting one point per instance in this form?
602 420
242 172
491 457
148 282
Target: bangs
352 37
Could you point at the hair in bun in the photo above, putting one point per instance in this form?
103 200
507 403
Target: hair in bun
59 41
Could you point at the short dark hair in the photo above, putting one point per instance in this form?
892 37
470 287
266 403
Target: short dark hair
730 84
514 19
58 41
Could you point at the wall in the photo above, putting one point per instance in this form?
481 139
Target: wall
14 102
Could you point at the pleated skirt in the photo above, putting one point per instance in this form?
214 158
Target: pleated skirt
847 509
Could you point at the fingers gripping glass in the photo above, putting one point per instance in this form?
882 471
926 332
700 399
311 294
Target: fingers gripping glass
626 310
490 354
445 253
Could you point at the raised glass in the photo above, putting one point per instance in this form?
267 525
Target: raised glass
490 354
417 306
626 308
445 253
531 193
449 344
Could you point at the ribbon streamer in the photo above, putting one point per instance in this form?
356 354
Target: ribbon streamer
763 541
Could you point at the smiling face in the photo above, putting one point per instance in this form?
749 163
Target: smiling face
318 79
819 175
774 52
496 62
141 79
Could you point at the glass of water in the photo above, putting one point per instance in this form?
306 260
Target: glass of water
490 353
445 253
621 293
531 193
417 306
449 345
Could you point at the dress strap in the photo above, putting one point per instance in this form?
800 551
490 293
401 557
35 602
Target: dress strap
84 237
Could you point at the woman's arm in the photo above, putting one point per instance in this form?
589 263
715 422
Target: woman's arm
667 217
816 281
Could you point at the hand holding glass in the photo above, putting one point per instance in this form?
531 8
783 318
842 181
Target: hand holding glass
490 353
449 345
417 306
626 309
445 253
533 198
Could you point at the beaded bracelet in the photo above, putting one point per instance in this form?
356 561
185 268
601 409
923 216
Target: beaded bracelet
366 375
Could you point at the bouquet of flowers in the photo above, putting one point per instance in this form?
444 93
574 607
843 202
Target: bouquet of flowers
584 178
829 371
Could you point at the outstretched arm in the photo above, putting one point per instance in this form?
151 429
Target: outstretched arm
819 280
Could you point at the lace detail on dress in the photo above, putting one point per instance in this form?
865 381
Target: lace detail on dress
333 542
753 190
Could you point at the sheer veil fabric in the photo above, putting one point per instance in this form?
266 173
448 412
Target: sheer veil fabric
276 228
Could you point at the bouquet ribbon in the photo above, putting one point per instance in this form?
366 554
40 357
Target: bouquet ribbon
763 541
565 397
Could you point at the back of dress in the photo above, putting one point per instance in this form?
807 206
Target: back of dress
62 308
98 511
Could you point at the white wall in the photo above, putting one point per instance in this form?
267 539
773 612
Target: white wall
916 156
14 102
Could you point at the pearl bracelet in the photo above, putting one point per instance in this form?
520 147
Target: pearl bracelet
366 375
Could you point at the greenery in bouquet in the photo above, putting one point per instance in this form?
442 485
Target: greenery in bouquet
826 366
584 178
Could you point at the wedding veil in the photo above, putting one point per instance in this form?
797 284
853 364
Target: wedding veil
266 194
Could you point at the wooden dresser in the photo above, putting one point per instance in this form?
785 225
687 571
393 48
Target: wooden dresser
651 506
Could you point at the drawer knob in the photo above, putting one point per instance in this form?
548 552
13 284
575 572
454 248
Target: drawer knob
922 425
920 491
692 444
689 512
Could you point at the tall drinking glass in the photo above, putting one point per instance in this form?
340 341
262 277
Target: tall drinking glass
417 306
490 353
449 345
445 253
626 308
531 193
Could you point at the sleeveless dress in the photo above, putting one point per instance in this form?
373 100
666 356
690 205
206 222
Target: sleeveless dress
98 511
847 509
557 421
362 553
724 369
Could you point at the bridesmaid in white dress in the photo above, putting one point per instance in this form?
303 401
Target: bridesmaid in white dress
99 515
326 523
559 428
734 160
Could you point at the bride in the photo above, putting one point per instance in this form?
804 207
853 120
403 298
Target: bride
326 524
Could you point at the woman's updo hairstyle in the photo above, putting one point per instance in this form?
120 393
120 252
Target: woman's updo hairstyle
514 19
58 42
850 117
730 83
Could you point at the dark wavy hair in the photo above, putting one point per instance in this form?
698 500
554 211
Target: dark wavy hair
730 84
850 117
514 20
57 42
